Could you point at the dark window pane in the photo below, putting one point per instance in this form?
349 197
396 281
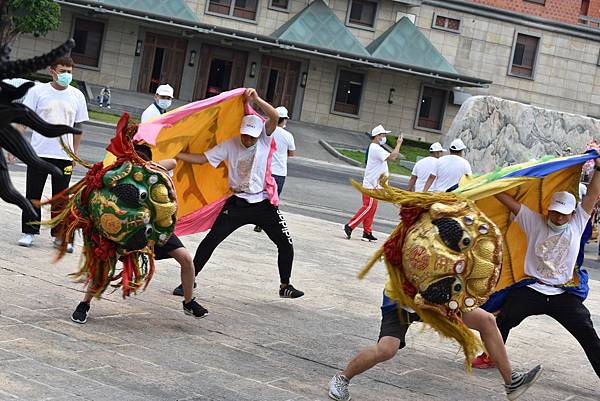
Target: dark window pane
440 21
362 13
519 51
245 9
349 92
431 112
454 24
283 4
219 6
88 41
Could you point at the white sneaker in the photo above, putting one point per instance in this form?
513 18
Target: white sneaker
58 243
338 388
26 240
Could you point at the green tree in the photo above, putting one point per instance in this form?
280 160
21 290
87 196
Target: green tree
37 17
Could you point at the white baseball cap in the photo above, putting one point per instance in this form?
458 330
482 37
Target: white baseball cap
563 202
436 147
457 145
283 112
252 125
165 90
379 130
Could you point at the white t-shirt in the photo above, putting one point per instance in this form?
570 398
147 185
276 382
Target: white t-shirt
376 166
285 141
551 256
150 112
247 168
65 107
422 170
448 172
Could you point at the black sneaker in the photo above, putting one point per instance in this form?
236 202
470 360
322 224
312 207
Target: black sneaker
193 308
369 237
81 313
521 382
290 292
178 291
348 231
257 229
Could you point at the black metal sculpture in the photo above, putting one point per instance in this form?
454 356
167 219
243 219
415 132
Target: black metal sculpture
12 112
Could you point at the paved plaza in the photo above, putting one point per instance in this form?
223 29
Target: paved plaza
253 346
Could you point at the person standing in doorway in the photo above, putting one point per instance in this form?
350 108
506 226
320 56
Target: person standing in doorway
286 147
162 101
376 167
57 102
424 167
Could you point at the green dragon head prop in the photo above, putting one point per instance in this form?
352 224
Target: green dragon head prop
123 209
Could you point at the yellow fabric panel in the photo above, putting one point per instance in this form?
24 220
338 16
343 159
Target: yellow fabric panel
535 193
197 133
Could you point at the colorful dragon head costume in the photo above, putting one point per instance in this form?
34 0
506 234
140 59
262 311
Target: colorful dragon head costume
443 259
123 209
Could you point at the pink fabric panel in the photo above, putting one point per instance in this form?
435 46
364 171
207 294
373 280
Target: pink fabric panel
201 220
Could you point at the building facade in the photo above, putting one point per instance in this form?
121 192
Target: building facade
351 64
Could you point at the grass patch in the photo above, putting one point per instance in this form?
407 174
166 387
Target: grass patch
359 156
410 149
104 117
109 118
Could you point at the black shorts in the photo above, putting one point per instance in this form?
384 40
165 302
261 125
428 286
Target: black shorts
393 326
162 252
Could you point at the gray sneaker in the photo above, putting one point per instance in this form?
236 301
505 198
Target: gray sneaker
521 382
338 388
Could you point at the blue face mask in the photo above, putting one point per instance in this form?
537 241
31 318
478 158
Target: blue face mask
64 79
556 228
383 140
164 103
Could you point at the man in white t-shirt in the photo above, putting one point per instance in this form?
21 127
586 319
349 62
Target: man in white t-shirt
285 148
56 102
247 165
424 168
162 101
449 170
377 158
553 243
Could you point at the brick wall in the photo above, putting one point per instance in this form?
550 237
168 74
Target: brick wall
560 10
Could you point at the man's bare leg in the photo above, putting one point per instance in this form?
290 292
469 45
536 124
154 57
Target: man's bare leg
485 323
183 257
384 350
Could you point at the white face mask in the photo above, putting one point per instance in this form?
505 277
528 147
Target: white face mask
164 103
383 140
556 228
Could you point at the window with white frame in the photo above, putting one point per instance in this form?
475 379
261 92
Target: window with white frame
88 42
362 13
445 23
244 9
524 55
348 92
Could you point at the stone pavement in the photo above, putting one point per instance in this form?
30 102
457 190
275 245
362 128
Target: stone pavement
253 346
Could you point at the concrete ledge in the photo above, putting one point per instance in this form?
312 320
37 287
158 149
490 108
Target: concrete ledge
338 155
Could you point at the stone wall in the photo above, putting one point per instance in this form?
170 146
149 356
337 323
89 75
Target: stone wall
500 132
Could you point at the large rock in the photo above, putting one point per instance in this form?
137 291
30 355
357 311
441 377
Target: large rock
500 132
